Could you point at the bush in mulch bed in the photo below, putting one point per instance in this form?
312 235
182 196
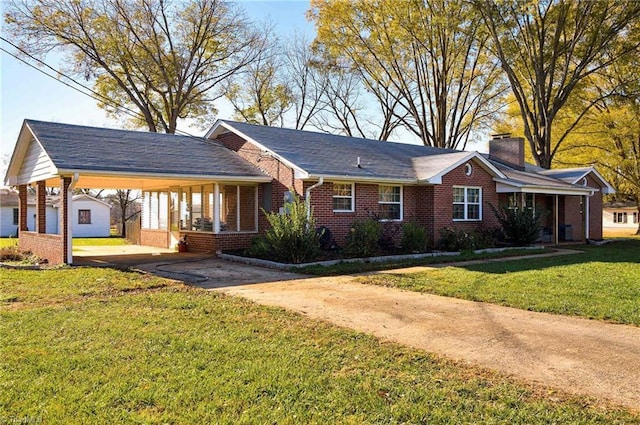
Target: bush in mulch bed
12 254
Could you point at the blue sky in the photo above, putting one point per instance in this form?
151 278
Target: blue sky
27 93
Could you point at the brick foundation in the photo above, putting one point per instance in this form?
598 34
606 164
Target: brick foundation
211 243
152 237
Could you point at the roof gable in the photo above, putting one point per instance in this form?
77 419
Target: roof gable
29 162
576 176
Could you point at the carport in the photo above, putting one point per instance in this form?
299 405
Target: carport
63 156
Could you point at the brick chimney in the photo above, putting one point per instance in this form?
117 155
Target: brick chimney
507 150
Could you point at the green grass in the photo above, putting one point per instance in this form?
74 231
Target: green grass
8 242
110 241
601 283
103 346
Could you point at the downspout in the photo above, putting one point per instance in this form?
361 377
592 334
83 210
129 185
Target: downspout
69 208
307 197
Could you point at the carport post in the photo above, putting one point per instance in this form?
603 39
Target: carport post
216 208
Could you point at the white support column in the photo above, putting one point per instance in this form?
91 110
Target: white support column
586 217
256 210
238 208
556 224
216 208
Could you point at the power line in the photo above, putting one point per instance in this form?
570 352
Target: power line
99 97
95 96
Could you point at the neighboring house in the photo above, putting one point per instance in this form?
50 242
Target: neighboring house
91 215
9 216
212 190
620 216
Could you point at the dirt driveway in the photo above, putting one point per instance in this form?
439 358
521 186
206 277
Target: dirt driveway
579 356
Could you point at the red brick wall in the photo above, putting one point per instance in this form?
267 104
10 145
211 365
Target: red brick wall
46 246
442 200
595 210
282 174
571 215
154 237
211 242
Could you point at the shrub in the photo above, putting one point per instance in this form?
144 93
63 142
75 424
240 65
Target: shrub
292 236
14 255
363 238
260 248
452 239
521 226
414 237
456 240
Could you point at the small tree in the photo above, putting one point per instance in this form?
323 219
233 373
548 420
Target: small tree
292 235
521 226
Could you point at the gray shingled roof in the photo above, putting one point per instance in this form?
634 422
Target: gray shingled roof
532 179
74 147
334 155
569 175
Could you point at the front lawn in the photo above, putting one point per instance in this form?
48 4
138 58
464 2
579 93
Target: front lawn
110 241
8 242
85 345
602 283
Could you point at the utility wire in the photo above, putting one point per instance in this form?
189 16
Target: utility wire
95 96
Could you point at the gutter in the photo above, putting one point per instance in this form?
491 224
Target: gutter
307 197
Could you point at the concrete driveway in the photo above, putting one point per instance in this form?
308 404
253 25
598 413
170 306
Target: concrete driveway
576 356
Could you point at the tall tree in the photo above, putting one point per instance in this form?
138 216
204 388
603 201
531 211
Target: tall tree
165 60
307 81
549 49
608 137
428 56
261 94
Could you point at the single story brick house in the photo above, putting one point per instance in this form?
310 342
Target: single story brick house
212 190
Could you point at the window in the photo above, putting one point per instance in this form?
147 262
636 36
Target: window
468 169
390 202
15 217
467 203
529 200
155 210
619 217
635 217
84 216
343 197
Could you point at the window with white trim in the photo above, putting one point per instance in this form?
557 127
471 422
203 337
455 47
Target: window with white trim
635 217
343 197
16 216
390 202
619 217
467 203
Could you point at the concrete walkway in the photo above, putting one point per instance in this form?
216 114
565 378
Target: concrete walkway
578 356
